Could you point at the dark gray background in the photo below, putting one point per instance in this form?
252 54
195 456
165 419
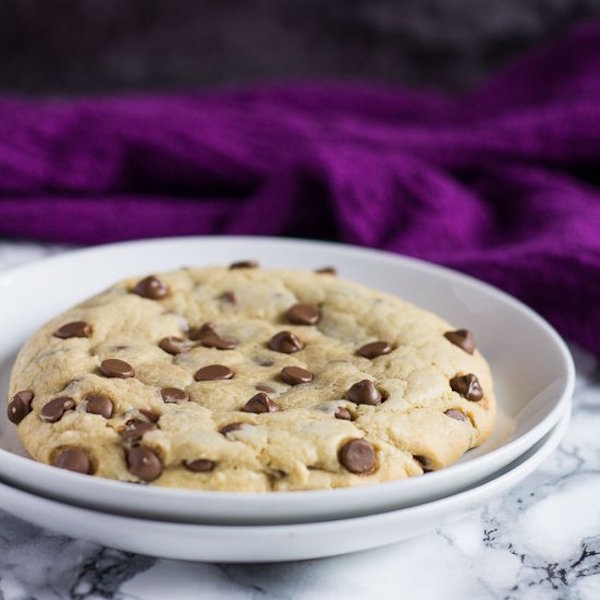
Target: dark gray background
81 46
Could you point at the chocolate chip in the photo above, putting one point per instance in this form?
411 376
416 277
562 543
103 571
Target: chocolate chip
174 395
260 403
115 367
213 372
263 387
79 329
326 271
456 414
99 404
135 429
200 465
20 406
218 343
73 459
174 345
343 414
229 297
467 386
54 410
286 342
462 338
17 411
374 349
152 416
244 264
230 427
296 375
151 287
197 333
364 392
144 463
209 338
25 396
303 314
358 456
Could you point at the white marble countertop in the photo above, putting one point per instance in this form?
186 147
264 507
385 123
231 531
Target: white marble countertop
540 541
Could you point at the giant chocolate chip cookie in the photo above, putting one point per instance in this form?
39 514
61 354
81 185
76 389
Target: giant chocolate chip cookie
250 379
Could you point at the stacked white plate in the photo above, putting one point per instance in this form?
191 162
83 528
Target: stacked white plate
532 369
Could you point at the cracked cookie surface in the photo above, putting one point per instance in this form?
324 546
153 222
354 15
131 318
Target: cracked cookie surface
248 379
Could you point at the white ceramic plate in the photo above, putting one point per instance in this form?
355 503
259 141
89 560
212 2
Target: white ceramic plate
218 543
532 369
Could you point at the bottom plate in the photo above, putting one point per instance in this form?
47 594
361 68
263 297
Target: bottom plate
218 543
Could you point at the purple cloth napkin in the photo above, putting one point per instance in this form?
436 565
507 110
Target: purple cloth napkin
502 184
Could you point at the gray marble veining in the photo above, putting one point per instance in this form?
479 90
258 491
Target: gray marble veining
540 541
